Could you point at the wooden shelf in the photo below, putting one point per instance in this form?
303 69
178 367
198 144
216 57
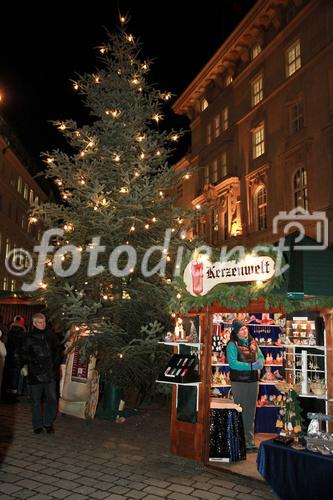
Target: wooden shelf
178 383
303 346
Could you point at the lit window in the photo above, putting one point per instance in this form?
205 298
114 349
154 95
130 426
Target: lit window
31 197
206 175
258 142
255 50
19 184
180 190
225 119
215 173
12 285
296 117
228 79
224 226
217 125
209 133
37 200
293 55
7 247
224 166
257 90
261 208
5 283
203 104
300 188
26 191
215 226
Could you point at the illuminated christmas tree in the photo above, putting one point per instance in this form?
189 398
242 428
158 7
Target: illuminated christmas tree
115 185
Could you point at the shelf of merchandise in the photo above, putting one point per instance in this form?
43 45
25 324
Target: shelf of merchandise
268 346
219 364
270 406
258 325
274 364
303 346
260 383
178 383
177 344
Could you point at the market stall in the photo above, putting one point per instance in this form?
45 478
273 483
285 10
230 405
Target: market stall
292 327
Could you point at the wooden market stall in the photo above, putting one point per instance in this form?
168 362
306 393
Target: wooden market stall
292 322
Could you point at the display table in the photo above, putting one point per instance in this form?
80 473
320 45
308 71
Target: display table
295 475
227 440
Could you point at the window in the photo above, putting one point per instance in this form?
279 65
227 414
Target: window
206 175
203 104
180 190
12 286
19 184
257 90
215 173
258 142
217 125
296 117
224 166
293 62
37 200
261 208
228 79
225 119
26 191
23 222
255 50
300 188
224 224
5 283
209 133
215 226
7 247
31 197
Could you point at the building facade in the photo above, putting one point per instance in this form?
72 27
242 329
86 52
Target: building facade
18 192
261 119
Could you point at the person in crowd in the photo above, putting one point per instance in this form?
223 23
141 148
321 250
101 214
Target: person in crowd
41 353
245 360
13 364
3 353
4 330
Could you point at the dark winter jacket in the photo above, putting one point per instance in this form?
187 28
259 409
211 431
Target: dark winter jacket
15 338
41 352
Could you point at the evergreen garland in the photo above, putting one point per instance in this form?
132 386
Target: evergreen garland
239 296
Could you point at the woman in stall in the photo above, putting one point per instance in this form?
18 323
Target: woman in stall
245 360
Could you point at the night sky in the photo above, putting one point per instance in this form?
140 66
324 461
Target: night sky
43 48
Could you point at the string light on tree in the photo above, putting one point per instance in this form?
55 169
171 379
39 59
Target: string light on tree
115 176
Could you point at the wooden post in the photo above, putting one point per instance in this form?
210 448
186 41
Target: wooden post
328 316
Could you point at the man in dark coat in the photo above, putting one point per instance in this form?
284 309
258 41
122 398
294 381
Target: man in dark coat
41 352
13 363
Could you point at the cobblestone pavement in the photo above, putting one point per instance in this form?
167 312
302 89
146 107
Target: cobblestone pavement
105 460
